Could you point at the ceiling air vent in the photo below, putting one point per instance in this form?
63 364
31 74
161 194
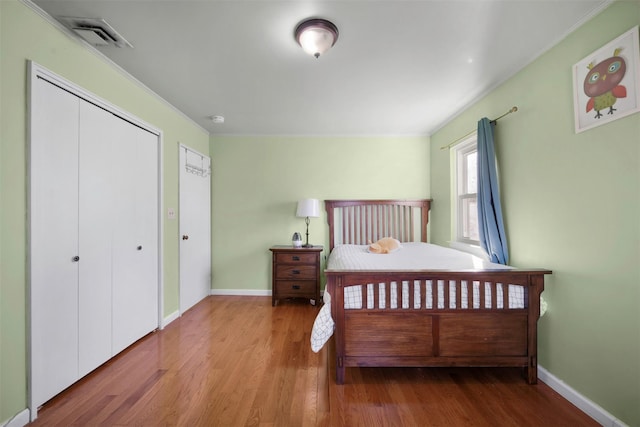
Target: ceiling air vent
95 31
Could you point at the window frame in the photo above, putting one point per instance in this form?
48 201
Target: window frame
459 177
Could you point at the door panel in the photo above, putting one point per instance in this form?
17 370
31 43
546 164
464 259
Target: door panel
135 249
53 241
97 133
147 232
195 225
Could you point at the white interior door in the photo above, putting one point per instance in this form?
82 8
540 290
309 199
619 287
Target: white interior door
53 243
195 227
135 242
96 223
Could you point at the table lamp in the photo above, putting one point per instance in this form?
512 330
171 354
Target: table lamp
308 208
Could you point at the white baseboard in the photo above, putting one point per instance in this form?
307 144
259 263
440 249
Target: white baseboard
21 419
242 292
239 292
585 405
245 292
170 318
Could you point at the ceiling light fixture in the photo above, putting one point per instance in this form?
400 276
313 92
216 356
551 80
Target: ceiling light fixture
316 36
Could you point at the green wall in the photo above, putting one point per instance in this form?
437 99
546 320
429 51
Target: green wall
25 35
571 204
258 180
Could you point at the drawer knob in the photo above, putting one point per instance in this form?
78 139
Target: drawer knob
295 286
295 258
295 271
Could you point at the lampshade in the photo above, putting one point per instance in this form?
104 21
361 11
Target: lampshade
308 208
316 36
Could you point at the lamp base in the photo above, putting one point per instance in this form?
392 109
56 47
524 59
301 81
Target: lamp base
307 244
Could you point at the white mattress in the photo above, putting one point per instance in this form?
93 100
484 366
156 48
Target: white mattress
417 256
411 256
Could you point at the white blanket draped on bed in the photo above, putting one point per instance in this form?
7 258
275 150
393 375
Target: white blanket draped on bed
411 256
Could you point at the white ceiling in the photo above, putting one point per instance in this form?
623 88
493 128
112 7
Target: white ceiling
398 68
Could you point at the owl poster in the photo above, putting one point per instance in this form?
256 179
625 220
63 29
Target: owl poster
606 84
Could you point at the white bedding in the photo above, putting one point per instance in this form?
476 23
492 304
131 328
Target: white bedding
411 256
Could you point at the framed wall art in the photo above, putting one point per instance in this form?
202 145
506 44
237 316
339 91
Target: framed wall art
606 83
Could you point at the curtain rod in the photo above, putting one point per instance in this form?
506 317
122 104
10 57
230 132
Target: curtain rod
512 110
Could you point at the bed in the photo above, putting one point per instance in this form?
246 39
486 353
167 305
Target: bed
465 313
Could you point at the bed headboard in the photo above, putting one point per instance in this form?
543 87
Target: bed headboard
358 221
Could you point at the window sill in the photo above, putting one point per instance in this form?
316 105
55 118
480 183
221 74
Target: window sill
472 249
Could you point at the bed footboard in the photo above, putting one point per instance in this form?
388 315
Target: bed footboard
436 318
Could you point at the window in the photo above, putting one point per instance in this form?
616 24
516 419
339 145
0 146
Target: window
465 192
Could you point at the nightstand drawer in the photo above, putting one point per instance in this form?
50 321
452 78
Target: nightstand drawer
296 258
286 271
295 288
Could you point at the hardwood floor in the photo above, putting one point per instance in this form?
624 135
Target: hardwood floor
237 361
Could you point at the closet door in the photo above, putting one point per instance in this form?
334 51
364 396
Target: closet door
53 232
93 234
135 248
98 131
147 228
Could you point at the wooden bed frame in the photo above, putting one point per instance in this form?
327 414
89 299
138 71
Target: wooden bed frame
424 337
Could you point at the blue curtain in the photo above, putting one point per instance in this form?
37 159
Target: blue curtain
493 239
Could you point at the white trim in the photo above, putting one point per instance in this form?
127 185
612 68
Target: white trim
247 292
242 292
161 321
21 419
38 71
469 248
585 405
170 318
457 167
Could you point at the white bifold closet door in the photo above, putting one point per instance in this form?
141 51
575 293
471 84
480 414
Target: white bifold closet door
53 242
94 196
118 234
135 236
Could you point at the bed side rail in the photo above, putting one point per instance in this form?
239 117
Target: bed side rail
438 291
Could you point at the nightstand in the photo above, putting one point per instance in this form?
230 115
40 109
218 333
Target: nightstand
296 273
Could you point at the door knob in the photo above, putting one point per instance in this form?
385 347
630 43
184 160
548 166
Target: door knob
75 258
185 237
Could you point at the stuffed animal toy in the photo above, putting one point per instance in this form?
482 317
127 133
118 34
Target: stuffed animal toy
384 246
